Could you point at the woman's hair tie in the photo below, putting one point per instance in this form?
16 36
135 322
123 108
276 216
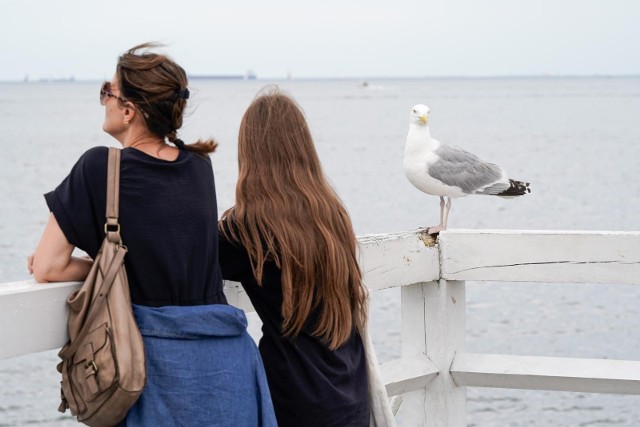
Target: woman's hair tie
182 94
179 143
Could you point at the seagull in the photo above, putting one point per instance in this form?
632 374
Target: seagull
442 170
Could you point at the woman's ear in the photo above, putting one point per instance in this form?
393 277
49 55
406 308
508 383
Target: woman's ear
129 114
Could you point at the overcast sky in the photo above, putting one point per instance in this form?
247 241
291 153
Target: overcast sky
325 38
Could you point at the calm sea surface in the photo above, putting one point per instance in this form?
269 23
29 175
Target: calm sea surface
576 140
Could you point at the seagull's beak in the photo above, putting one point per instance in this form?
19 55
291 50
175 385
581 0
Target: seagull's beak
424 119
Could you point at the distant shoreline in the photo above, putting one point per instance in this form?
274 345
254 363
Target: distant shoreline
250 78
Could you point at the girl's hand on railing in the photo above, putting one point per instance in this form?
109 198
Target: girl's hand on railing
30 263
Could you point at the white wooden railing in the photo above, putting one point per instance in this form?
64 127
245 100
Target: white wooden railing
434 365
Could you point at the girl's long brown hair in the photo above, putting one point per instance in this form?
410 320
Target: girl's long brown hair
286 211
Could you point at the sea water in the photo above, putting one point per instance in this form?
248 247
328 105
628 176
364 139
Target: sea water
577 140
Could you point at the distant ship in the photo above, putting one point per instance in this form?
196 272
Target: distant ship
249 75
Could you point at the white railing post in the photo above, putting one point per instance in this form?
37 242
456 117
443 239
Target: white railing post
413 320
433 323
446 335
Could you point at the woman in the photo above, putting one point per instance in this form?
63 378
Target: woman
202 367
290 242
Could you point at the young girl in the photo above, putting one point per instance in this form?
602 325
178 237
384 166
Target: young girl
290 242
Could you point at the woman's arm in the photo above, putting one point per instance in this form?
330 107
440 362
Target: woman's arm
52 260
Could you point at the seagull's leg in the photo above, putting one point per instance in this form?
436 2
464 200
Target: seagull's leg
442 226
446 213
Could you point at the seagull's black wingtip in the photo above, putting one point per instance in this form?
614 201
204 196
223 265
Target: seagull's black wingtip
516 188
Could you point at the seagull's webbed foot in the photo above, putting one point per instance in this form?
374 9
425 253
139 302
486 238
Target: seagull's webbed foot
435 229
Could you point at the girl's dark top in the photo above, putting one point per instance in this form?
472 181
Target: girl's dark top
168 218
310 385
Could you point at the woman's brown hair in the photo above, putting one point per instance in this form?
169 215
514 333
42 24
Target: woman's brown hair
158 88
286 211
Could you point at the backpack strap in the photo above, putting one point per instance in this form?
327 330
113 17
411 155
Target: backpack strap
112 231
111 226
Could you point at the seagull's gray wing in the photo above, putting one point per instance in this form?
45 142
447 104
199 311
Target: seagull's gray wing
458 168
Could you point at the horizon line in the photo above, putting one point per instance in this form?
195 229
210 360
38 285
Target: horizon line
241 77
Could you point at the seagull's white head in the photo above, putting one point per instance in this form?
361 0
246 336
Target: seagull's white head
419 115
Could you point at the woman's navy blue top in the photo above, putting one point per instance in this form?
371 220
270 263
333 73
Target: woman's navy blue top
168 217
310 385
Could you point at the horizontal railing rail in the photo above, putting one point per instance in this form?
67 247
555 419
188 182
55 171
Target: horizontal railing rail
434 364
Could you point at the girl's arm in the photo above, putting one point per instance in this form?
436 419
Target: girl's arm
52 260
234 262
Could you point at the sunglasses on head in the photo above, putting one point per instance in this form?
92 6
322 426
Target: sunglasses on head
106 92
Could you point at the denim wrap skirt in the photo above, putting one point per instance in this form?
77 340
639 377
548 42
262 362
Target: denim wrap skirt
203 369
